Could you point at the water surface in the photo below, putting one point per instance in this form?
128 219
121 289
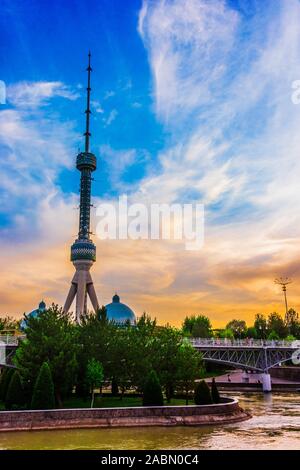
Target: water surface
275 425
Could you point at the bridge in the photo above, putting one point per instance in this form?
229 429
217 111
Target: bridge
8 346
249 354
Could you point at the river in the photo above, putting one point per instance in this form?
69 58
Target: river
275 425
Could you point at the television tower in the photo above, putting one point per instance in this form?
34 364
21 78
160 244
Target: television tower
83 250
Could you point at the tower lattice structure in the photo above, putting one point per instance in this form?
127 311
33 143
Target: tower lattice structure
83 250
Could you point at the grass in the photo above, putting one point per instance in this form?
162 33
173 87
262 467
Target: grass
114 402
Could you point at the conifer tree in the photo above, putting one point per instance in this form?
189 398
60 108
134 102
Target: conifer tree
43 392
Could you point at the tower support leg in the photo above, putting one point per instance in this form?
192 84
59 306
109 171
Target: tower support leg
81 295
70 297
92 295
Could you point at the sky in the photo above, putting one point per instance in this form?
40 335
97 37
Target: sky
192 103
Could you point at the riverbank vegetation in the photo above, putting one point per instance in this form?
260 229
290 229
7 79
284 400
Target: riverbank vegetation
98 354
76 359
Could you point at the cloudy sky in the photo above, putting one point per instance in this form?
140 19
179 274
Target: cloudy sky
192 102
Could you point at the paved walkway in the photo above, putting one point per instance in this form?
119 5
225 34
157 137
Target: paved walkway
236 376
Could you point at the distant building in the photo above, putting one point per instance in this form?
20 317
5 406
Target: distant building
33 314
119 312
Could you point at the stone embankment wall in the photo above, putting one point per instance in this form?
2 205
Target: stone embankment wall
228 411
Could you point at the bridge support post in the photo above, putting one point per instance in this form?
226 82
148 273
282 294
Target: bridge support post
266 382
245 377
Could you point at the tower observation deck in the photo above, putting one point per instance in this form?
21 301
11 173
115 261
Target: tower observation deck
83 250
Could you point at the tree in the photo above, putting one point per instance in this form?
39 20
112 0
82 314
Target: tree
189 366
215 392
167 341
43 392
197 326
4 382
251 332
238 327
260 325
50 338
227 334
276 324
202 394
8 323
273 336
114 387
292 323
97 338
142 344
152 393
15 394
94 375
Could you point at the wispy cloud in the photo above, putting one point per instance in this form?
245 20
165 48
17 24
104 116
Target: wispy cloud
34 94
111 117
221 89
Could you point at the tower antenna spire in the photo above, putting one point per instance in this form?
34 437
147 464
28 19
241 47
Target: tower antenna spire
87 133
83 250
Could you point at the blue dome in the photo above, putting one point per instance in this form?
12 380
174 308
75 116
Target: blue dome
34 313
118 312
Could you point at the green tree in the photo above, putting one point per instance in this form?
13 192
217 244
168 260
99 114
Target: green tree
142 343
227 334
95 376
202 394
4 382
251 332
292 323
43 391
15 394
197 326
238 327
97 339
114 387
189 367
276 324
273 335
260 325
8 323
167 341
52 338
152 393
215 392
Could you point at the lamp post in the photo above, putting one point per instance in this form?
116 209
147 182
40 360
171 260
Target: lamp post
283 282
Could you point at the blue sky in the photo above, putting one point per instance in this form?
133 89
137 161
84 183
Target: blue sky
41 39
191 102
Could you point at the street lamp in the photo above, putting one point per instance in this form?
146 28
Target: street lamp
283 282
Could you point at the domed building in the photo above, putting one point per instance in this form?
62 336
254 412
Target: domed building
34 313
119 312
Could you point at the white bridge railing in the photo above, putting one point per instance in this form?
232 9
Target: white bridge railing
10 340
243 343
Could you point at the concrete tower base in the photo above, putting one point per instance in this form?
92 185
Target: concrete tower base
81 286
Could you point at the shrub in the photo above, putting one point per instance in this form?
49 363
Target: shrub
114 388
15 395
202 394
4 382
43 391
214 392
152 395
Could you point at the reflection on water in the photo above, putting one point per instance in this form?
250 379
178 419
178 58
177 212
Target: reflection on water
275 425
